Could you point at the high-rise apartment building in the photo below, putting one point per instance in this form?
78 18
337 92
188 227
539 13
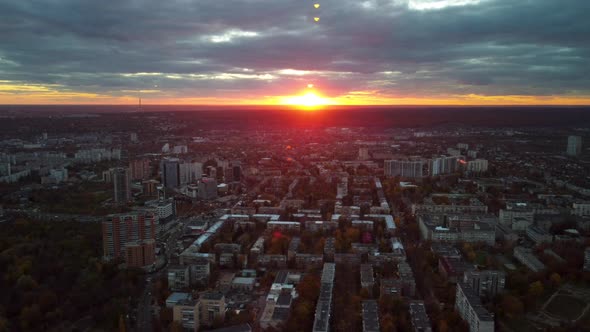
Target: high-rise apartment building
177 173
140 253
413 169
140 169
170 169
208 188
189 172
364 154
574 145
442 165
477 165
121 185
118 230
237 172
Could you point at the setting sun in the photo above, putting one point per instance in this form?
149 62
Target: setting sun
307 100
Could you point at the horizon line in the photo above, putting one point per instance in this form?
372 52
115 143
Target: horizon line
314 107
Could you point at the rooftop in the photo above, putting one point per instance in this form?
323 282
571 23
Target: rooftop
212 296
370 311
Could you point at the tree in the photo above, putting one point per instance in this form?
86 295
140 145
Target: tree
309 287
512 306
365 294
387 324
121 324
555 279
176 327
166 316
536 289
30 317
26 282
443 326
47 300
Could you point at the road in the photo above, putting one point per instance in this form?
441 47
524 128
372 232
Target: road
144 314
168 244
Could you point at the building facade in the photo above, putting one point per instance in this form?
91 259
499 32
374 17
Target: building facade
411 169
469 306
574 146
121 185
121 229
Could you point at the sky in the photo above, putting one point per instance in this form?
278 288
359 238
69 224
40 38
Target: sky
391 52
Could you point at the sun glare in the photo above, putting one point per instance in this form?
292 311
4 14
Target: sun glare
309 100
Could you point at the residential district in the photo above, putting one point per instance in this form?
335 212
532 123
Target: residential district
322 229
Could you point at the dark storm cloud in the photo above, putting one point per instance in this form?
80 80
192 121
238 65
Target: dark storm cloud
198 48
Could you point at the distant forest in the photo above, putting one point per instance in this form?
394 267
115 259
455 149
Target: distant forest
52 278
35 118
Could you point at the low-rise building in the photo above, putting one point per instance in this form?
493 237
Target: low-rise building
406 276
366 225
391 287
517 215
420 319
257 248
581 208
329 249
186 313
212 307
199 273
175 298
283 225
277 261
293 247
527 258
318 226
323 311
538 235
232 248
506 234
370 315
428 206
469 306
348 259
367 277
457 229
227 260
453 268
244 284
308 261
445 249
485 282
178 277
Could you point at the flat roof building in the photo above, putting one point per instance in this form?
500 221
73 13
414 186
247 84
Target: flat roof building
469 306
527 258
420 320
370 313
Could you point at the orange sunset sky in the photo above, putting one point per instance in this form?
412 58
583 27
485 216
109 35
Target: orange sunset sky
255 52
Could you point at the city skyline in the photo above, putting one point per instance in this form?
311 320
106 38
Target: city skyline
374 52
